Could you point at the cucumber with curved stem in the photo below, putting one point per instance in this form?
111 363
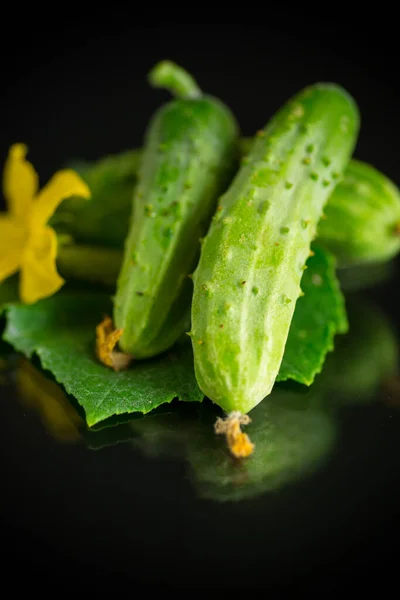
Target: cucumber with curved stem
362 222
190 153
248 278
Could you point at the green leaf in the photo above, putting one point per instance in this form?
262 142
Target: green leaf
104 219
294 431
320 314
61 331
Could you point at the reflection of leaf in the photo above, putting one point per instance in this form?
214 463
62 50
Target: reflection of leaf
58 415
320 314
61 329
292 430
170 433
353 279
8 361
365 357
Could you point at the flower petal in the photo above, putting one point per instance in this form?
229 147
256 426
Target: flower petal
39 277
62 185
20 182
12 239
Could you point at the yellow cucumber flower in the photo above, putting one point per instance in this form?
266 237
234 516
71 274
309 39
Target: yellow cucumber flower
27 243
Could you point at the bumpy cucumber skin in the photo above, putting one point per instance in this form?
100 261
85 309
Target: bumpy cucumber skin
190 154
363 211
362 222
248 278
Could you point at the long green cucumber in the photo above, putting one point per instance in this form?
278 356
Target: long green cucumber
362 222
248 278
190 153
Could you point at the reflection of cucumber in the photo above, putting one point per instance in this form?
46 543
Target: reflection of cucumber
364 357
292 432
293 429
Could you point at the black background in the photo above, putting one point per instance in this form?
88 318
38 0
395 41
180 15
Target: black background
74 87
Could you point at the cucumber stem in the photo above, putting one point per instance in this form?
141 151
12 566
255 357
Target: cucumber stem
170 76
95 264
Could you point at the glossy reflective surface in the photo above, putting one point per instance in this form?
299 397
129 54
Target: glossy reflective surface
140 495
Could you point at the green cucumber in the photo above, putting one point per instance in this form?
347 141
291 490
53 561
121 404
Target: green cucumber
190 154
362 222
362 225
248 278
362 216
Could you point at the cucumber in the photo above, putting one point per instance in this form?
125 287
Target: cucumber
248 278
190 154
362 222
362 225
362 216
